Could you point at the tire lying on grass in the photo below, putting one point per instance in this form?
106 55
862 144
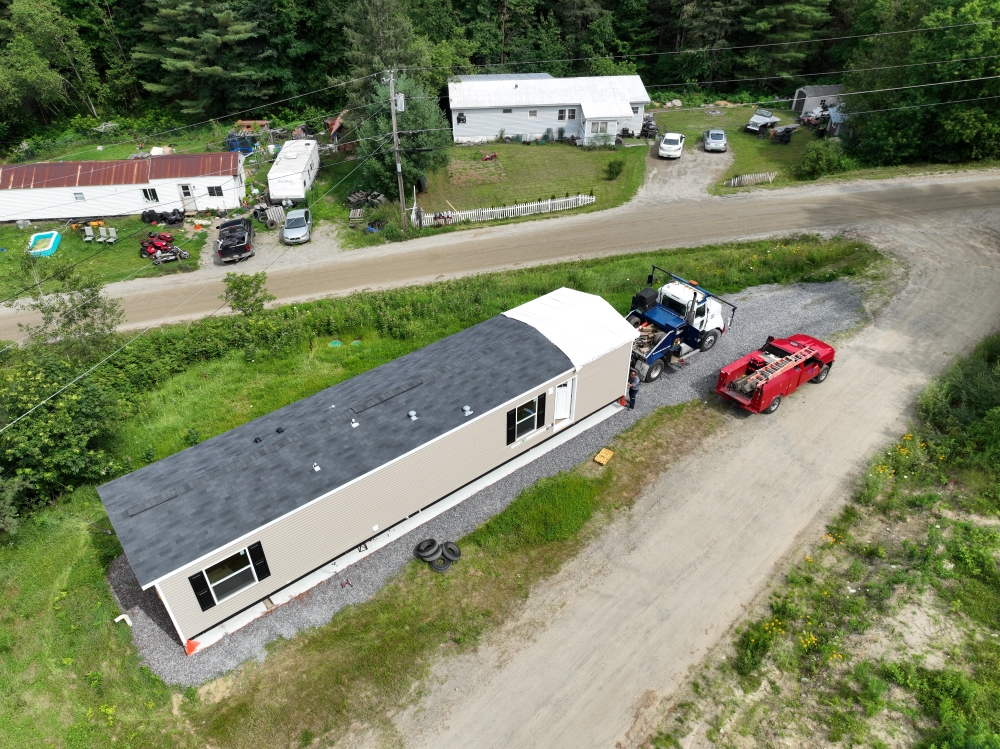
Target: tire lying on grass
450 551
441 564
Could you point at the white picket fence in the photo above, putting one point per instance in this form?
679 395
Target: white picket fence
522 209
743 180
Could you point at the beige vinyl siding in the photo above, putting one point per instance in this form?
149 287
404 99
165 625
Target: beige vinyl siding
602 381
311 536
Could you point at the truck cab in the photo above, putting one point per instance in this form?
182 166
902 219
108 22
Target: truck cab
673 321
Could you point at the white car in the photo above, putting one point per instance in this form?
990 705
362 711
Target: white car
671 146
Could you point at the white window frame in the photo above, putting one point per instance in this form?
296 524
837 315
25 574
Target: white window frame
598 127
149 195
635 110
532 112
562 115
533 419
571 114
211 586
78 196
218 194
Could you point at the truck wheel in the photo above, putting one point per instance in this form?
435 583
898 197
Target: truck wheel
823 374
450 550
709 340
428 550
774 405
654 371
441 564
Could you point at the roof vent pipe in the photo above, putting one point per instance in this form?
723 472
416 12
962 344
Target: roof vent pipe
467 410
354 423
412 415
316 466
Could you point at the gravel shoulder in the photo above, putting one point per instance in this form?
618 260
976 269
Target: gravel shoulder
599 646
821 309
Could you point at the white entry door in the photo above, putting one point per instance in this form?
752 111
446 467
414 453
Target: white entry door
187 198
564 400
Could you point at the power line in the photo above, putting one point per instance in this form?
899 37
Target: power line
707 49
809 75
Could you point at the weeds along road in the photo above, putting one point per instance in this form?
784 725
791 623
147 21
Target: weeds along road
643 224
597 648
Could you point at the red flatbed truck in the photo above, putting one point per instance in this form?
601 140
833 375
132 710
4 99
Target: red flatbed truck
758 381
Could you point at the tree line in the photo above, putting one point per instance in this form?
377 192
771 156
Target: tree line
68 64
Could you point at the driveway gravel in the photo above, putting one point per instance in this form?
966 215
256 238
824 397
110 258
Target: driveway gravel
817 309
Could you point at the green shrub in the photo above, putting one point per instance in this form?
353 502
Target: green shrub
615 168
821 157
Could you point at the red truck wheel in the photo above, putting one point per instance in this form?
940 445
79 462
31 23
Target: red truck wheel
823 374
774 405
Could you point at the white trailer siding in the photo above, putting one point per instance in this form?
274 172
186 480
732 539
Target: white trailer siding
484 125
63 190
293 171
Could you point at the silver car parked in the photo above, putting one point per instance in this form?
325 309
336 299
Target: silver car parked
715 140
298 227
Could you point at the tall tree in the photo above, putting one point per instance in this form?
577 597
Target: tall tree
775 22
198 52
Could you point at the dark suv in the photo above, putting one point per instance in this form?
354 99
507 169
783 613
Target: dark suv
235 240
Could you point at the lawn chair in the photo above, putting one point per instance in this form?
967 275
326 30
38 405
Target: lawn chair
104 235
112 235
88 234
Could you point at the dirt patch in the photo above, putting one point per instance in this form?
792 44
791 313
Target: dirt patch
475 172
215 691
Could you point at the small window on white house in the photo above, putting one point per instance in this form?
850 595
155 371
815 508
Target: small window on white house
461 118
532 112
215 192
508 111
231 575
635 110
562 114
598 127
571 115
79 196
149 195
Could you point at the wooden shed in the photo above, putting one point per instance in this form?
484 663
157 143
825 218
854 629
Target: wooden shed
245 520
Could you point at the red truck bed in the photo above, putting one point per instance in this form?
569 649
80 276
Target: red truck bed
758 381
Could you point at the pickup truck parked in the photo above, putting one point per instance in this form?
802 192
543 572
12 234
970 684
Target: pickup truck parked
758 381
235 240
673 321
762 118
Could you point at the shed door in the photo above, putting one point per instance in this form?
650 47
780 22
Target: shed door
564 399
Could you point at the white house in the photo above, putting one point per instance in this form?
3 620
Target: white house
592 110
75 189
293 171
809 98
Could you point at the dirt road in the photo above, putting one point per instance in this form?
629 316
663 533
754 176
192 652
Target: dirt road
643 224
599 646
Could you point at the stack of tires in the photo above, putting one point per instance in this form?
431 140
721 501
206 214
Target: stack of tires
440 556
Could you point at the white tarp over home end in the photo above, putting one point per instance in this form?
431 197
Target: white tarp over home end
583 325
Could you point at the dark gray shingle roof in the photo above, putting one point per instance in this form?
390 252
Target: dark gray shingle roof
187 505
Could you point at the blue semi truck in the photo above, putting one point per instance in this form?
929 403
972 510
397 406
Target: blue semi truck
674 320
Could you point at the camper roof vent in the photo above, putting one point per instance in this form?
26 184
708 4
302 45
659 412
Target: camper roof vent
413 415
258 440
467 410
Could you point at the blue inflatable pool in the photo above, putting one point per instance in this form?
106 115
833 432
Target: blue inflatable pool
44 243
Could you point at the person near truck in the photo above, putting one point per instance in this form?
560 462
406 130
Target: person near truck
633 388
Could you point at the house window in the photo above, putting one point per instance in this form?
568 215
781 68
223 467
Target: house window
508 111
635 110
562 114
525 419
215 192
532 112
150 196
79 196
598 127
461 118
571 114
228 577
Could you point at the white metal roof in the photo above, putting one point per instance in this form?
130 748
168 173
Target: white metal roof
584 326
501 77
605 96
292 159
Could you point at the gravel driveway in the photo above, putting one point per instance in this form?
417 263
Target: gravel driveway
817 309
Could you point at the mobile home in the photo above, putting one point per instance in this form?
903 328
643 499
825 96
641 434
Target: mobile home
293 171
230 527
74 189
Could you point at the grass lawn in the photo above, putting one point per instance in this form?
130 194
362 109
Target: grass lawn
524 174
70 677
109 262
191 140
750 155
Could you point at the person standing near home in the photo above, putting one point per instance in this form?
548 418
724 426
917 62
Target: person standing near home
633 388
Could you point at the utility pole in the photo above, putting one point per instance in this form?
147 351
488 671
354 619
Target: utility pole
395 140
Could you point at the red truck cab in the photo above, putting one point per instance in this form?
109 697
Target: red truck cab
758 381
